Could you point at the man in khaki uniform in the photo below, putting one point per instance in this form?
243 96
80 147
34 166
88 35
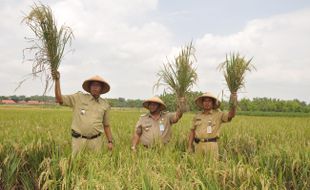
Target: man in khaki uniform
155 126
206 126
90 114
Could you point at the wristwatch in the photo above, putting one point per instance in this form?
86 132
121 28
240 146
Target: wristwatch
110 141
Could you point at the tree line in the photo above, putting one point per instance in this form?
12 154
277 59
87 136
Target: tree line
245 104
29 98
255 104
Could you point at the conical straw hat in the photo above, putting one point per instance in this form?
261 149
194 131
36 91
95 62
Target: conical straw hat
105 85
154 99
199 100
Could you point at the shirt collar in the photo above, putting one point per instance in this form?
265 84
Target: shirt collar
150 115
92 98
209 112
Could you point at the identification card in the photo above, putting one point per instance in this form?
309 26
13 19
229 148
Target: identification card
161 128
83 112
209 129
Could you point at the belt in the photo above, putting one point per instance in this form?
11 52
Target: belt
197 140
78 135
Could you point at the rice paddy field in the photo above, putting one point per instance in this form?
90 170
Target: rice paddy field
256 153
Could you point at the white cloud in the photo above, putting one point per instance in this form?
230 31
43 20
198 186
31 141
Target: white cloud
108 44
110 40
279 45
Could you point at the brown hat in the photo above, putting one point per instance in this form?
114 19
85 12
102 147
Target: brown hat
155 99
105 85
199 100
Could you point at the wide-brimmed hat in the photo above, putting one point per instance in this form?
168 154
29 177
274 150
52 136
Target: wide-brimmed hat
154 99
105 85
199 100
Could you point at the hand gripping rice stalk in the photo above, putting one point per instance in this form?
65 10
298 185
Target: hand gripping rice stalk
49 42
234 69
179 76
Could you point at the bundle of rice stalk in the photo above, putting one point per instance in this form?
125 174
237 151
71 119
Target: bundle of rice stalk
179 76
234 69
49 42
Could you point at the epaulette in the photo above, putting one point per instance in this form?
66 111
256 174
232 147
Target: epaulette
198 115
164 112
197 118
218 110
80 92
105 101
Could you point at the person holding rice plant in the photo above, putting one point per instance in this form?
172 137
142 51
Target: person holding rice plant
206 125
155 126
48 45
178 76
90 114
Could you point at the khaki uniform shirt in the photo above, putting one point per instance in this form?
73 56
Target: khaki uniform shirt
201 121
89 114
149 129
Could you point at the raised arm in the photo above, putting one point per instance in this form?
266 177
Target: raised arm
232 111
180 110
58 95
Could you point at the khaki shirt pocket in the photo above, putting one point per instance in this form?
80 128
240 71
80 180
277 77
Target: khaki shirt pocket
146 127
83 110
197 123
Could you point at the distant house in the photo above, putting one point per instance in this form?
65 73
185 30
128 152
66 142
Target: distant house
33 102
22 102
8 102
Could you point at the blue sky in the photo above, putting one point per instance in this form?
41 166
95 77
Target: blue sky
127 42
192 19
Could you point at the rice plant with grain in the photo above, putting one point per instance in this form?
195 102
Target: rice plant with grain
48 44
234 69
179 76
256 153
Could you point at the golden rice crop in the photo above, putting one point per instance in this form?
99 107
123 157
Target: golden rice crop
49 42
179 76
256 153
234 69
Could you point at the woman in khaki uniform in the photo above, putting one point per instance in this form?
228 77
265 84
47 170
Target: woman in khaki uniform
90 114
206 126
155 126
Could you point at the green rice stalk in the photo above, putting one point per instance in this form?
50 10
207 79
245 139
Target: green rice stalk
234 69
49 42
179 76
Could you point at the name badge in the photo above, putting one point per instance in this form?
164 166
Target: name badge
161 128
82 112
209 129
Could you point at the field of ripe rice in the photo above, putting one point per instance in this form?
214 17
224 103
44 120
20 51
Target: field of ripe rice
256 153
